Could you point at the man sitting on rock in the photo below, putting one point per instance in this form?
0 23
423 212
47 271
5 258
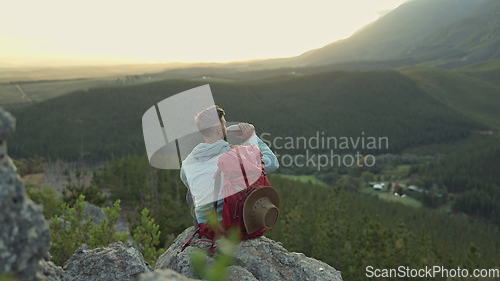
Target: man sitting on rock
220 176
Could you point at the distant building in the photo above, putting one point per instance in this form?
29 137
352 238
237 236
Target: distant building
415 188
486 132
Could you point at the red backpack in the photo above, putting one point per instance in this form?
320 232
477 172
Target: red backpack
232 211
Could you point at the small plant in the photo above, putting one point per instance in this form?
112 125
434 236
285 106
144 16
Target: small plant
104 233
72 228
47 197
5 277
76 186
32 165
147 236
216 270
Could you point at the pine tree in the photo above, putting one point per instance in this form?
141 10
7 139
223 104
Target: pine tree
147 236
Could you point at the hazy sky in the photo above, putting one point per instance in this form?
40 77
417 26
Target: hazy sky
182 30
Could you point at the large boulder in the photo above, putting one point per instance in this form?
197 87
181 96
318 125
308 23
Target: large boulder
24 234
255 259
117 262
163 275
95 213
48 271
238 273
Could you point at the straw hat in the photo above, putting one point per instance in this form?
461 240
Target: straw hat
261 209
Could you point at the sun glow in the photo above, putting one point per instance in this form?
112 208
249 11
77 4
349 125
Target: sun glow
188 31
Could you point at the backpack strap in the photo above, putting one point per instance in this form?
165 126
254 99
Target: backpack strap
188 242
243 172
200 231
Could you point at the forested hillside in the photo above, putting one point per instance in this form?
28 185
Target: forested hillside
346 229
443 32
106 122
353 230
471 174
471 91
472 39
486 70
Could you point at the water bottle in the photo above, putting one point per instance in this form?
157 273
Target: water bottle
234 130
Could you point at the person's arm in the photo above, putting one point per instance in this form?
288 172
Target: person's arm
271 163
270 160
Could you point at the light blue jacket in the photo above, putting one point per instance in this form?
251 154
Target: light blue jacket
201 157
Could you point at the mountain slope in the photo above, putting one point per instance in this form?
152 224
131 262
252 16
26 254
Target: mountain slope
472 39
396 34
487 70
463 91
106 122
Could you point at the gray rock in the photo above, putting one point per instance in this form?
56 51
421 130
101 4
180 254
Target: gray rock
163 275
238 273
49 272
24 234
177 261
116 262
260 259
95 213
268 260
7 124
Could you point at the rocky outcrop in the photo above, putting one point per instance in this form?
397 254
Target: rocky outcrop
25 242
238 273
256 259
48 271
7 124
163 275
24 234
117 262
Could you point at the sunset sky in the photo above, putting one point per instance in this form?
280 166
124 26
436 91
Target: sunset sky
167 31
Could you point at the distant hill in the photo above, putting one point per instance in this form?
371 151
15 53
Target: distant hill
420 30
35 90
106 122
436 33
469 90
487 70
472 39
27 73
